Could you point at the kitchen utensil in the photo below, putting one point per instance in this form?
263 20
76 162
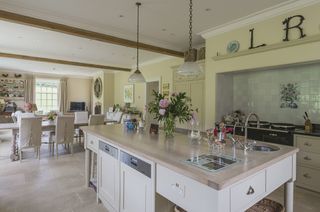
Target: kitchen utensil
306 114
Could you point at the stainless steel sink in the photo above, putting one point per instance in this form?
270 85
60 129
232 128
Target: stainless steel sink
265 148
211 162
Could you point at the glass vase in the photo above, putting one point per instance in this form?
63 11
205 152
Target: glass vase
169 126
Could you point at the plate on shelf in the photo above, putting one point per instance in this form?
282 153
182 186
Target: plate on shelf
233 46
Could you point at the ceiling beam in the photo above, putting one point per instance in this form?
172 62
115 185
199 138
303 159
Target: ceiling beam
40 23
63 62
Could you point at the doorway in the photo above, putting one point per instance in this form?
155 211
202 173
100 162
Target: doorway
150 87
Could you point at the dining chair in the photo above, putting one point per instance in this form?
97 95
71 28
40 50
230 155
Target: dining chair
117 117
96 119
29 134
80 117
64 132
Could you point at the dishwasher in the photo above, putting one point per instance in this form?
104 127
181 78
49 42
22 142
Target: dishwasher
137 184
108 172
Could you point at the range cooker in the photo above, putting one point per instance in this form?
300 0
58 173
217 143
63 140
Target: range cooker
278 133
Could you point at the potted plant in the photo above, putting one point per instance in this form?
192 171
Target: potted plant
167 111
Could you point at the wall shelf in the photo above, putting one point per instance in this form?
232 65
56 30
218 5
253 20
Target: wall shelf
305 40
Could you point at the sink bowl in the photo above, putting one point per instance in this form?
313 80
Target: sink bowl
265 148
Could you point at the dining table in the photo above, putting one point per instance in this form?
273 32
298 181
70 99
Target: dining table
46 125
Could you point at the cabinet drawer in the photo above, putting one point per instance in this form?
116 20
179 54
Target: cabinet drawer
247 192
185 192
308 143
308 178
92 143
309 159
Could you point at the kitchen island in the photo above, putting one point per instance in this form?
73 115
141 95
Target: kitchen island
134 166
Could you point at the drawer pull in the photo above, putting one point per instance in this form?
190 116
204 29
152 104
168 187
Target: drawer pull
91 142
273 134
107 148
134 161
307 158
306 175
307 144
250 191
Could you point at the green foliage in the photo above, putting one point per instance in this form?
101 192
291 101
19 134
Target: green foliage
179 107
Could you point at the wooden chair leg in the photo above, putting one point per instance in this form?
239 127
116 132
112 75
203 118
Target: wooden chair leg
20 155
52 148
39 153
71 144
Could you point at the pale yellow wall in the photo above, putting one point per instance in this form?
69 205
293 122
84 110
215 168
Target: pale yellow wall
269 32
79 90
160 70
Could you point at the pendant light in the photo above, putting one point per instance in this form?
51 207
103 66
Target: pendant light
189 67
137 76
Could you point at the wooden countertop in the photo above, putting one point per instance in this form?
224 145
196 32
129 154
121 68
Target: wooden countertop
172 153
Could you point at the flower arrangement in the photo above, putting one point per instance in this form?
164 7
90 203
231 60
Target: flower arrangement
178 106
51 116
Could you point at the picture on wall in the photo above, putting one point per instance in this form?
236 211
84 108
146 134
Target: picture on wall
289 95
166 90
128 94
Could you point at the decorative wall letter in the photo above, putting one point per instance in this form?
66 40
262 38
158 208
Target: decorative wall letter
251 40
286 22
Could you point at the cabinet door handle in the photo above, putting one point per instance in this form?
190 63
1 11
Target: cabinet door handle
306 175
134 161
106 148
250 191
91 142
307 158
307 144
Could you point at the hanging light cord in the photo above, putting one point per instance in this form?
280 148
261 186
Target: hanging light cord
190 25
138 26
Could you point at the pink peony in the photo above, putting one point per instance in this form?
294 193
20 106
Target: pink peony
164 103
162 112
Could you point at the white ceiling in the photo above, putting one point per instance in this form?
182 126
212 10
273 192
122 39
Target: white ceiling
163 23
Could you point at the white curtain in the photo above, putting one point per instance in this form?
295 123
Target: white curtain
63 107
29 89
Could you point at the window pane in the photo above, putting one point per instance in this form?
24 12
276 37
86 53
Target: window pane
47 95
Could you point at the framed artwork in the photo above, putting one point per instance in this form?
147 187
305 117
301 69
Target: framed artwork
166 90
128 94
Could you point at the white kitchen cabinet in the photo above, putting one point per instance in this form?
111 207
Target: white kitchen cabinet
308 160
137 184
108 176
194 90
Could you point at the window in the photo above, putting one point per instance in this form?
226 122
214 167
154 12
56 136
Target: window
47 95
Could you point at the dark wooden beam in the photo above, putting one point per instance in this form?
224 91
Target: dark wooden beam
63 62
40 23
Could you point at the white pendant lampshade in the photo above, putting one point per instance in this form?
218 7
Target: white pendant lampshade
137 76
189 67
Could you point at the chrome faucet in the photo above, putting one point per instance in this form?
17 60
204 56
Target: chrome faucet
247 123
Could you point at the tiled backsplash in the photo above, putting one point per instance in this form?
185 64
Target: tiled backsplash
259 92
